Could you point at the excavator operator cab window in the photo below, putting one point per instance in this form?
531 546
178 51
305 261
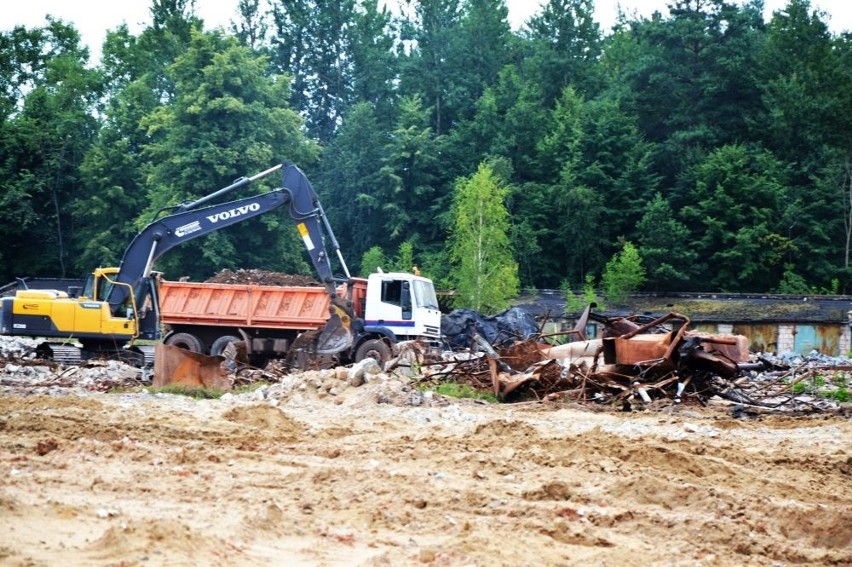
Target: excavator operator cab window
97 289
104 288
89 287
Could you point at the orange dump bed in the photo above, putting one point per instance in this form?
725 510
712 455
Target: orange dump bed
275 307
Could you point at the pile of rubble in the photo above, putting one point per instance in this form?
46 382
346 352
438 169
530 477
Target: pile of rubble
17 347
21 370
633 366
647 364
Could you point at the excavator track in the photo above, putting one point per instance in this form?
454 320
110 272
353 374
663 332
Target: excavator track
68 355
63 354
147 353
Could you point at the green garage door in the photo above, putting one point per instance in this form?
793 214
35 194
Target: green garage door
822 338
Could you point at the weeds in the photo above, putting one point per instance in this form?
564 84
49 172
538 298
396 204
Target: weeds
197 393
818 385
454 390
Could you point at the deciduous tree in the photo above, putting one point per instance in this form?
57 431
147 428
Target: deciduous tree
624 274
486 275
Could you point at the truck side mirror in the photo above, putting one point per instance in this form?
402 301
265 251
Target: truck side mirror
406 300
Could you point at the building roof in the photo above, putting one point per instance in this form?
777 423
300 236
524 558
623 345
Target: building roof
706 307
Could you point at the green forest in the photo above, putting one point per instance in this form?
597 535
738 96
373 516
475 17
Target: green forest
705 146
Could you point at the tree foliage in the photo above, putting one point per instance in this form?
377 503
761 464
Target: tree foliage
485 274
624 274
49 97
228 119
715 142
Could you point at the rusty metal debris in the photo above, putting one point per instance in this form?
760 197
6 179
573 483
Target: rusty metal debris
632 364
177 366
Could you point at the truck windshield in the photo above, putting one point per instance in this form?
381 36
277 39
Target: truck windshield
424 294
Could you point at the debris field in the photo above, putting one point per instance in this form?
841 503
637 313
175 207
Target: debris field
595 455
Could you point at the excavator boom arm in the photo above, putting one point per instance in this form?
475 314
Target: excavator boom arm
191 222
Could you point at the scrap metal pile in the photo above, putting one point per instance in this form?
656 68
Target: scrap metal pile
633 364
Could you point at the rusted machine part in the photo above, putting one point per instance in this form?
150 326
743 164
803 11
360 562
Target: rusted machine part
694 357
174 365
731 347
522 355
657 322
619 327
642 350
645 349
580 325
543 379
494 362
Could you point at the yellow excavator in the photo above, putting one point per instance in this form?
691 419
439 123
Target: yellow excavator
119 306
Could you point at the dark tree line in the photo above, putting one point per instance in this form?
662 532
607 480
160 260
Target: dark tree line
717 144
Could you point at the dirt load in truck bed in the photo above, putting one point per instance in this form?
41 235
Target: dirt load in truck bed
262 277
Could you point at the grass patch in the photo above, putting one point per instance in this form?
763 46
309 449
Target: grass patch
180 390
454 390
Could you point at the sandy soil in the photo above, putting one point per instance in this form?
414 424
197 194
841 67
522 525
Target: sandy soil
310 478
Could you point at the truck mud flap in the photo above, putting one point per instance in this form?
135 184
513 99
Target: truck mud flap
177 366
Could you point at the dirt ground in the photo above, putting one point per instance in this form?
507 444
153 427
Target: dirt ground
350 477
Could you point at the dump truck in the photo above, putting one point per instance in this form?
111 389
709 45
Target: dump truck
117 311
272 321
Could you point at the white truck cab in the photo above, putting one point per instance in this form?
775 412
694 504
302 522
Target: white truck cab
404 304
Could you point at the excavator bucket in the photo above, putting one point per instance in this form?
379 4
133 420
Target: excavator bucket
178 366
336 336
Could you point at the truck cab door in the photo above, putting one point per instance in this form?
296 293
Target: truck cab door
392 303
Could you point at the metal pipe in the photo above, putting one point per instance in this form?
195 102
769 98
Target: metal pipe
241 182
149 263
332 240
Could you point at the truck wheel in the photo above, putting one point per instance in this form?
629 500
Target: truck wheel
219 344
376 349
186 341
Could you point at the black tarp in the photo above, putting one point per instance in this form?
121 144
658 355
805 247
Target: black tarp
499 330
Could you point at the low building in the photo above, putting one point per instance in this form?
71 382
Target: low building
772 323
